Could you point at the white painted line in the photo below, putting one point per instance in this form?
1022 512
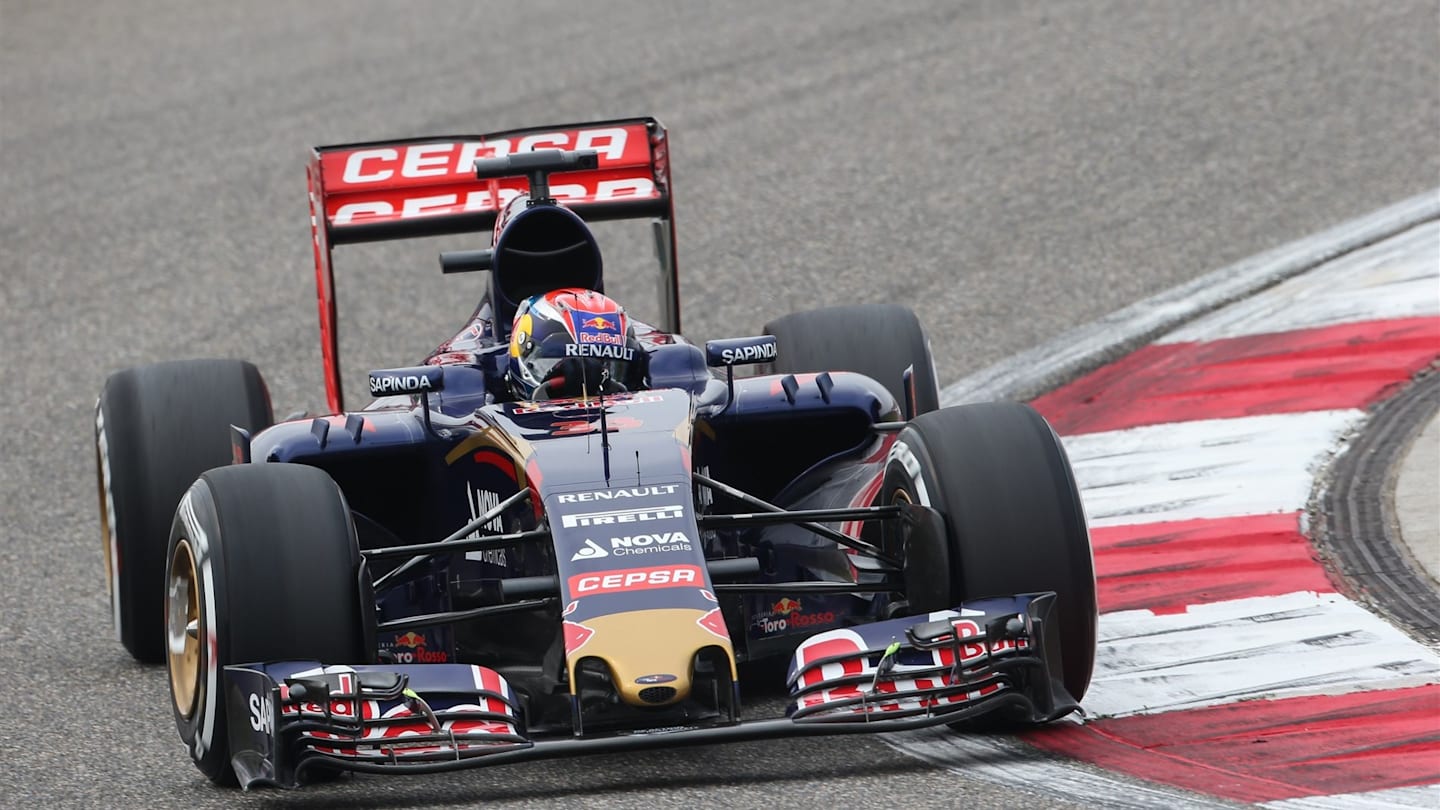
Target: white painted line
1398 278
1263 647
1207 469
1035 371
1426 797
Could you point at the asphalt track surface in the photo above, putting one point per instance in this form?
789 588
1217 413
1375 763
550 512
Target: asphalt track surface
1011 170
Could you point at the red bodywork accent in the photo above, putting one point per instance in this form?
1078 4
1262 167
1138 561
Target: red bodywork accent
576 635
660 164
715 623
371 184
635 579
498 460
841 648
325 287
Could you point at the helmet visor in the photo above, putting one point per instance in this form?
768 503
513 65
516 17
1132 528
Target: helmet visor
567 368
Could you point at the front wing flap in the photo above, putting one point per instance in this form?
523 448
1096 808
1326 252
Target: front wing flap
950 663
286 719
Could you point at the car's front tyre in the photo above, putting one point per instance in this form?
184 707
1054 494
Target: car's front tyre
263 565
1014 523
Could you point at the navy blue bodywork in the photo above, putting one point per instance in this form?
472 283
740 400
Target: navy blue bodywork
405 486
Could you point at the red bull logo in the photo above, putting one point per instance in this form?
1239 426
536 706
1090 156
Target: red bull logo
410 649
786 606
785 616
597 322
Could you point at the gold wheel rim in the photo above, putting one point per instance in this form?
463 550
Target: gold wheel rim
182 629
898 497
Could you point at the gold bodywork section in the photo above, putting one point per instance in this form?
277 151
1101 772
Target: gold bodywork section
493 437
651 642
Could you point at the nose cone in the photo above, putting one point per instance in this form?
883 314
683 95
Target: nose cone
651 652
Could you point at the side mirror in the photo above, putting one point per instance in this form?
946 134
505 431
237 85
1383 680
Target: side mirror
414 380
741 351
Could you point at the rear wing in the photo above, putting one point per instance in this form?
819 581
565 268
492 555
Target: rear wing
416 187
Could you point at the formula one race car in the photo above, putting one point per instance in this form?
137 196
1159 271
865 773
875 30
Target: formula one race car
566 531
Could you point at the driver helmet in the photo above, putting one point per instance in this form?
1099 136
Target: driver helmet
573 342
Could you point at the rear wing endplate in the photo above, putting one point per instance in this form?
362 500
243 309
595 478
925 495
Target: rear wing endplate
418 187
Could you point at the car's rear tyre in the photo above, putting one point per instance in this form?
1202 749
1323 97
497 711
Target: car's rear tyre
157 428
877 340
263 566
1013 518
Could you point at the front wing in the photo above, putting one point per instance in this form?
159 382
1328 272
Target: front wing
291 719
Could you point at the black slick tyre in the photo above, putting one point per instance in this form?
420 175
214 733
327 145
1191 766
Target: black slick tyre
263 565
877 340
157 428
1013 518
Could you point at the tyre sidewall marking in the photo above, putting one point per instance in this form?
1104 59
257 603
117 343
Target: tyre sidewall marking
901 453
914 476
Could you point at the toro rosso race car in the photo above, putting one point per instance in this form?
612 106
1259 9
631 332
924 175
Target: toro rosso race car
566 531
